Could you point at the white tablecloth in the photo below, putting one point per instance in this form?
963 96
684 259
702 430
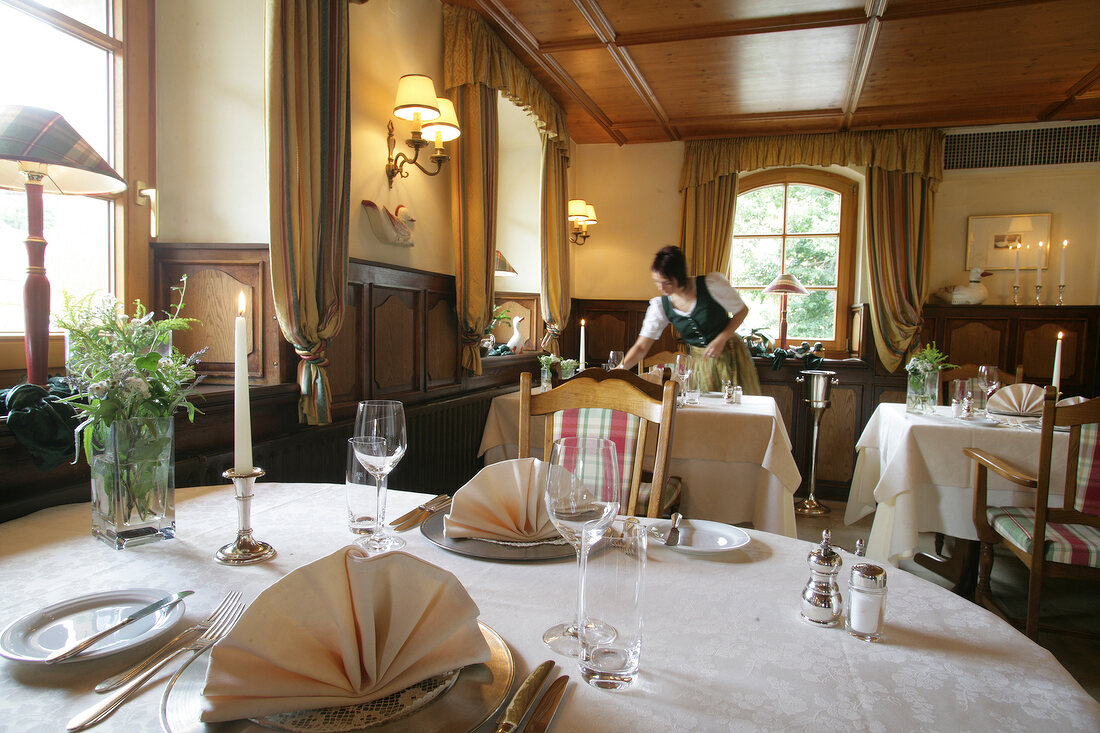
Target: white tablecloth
724 647
735 460
910 471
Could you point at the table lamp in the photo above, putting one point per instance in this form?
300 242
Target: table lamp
40 151
785 284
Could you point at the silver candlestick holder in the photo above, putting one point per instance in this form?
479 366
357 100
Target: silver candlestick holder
1015 295
1038 295
246 550
1061 292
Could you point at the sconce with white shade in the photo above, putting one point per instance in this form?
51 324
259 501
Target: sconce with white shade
434 121
583 215
785 284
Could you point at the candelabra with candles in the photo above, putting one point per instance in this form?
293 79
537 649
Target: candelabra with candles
1061 292
818 387
1038 295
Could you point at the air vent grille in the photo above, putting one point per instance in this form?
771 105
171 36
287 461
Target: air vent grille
1022 147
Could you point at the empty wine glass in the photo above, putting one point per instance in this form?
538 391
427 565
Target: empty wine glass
684 366
615 359
989 380
582 497
378 443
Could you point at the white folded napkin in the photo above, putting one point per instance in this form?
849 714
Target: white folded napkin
502 502
345 629
1017 399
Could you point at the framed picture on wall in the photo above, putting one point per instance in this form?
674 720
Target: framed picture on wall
993 241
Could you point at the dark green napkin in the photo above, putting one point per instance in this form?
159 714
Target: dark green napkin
42 424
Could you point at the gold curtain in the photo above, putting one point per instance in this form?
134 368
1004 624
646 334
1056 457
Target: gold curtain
899 231
309 152
473 214
556 290
706 216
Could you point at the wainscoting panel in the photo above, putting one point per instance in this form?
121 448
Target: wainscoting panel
395 347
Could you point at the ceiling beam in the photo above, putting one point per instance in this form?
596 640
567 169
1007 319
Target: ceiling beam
861 59
1077 90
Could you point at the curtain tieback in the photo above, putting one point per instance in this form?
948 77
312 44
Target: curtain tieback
314 353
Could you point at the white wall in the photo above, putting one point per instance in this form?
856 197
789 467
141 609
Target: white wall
519 191
1070 193
211 159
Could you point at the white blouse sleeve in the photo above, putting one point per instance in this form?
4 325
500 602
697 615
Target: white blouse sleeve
726 295
655 320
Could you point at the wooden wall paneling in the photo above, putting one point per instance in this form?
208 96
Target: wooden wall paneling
1036 349
783 394
967 341
840 427
395 342
605 332
441 368
347 353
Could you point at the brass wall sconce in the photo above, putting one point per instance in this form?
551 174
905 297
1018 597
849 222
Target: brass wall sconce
583 215
434 121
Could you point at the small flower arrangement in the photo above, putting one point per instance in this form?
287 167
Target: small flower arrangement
928 359
123 367
548 360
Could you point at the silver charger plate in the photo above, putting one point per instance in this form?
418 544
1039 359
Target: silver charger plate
40 634
433 530
476 697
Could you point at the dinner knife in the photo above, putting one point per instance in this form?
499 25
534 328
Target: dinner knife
673 538
426 506
548 705
525 695
72 651
423 516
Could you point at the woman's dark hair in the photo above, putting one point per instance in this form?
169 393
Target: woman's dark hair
671 263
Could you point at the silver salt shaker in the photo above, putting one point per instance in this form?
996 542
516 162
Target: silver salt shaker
866 602
822 604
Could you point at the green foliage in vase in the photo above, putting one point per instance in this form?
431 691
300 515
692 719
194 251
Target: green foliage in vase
122 367
929 359
547 360
500 314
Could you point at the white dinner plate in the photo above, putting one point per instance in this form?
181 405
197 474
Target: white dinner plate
701 536
983 421
40 634
1037 426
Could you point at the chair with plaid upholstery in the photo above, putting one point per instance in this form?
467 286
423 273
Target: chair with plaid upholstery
612 404
1052 541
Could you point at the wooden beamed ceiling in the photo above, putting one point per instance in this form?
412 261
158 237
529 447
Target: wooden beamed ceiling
638 71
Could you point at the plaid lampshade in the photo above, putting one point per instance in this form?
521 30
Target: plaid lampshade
35 135
786 283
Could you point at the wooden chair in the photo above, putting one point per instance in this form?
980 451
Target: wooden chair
970 371
587 405
1062 542
661 357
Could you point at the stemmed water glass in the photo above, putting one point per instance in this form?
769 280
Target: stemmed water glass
582 497
684 366
615 358
989 380
378 443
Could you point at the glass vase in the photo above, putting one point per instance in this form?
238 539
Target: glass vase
133 482
545 378
922 391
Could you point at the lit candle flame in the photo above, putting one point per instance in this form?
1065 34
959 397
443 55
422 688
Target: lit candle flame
1059 335
582 321
240 304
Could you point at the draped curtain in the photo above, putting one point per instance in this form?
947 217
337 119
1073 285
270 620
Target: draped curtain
474 55
904 169
473 214
308 168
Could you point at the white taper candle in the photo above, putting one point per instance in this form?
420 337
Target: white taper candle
242 419
1057 381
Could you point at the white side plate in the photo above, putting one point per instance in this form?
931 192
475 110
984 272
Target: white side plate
700 536
40 634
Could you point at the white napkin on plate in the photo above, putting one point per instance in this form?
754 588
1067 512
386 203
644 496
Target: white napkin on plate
345 629
502 502
1020 399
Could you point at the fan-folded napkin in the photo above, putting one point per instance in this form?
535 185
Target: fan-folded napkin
345 629
502 502
1017 399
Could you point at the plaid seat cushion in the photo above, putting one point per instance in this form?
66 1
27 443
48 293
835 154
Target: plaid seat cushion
1070 544
1088 471
619 427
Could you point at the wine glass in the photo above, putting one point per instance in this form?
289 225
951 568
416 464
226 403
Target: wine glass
582 497
989 380
684 366
615 359
378 444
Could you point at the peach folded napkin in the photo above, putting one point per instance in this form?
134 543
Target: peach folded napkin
502 502
1017 399
345 629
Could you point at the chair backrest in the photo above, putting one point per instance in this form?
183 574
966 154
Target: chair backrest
1081 502
614 404
661 357
970 371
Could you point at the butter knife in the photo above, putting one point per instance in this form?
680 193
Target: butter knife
72 651
523 698
673 538
548 705
426 506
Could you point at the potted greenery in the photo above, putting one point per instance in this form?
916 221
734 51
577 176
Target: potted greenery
128 381
922 391
489 341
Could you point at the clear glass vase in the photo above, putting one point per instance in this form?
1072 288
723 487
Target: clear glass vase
133 482
545 378
922 391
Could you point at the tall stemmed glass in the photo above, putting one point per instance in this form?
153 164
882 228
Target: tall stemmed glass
378 443
582 496
684 366
989 380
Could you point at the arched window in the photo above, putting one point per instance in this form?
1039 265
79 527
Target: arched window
799 221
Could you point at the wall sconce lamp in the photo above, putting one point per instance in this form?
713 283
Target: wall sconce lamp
502 267
433 118
40 151
583 215
785 284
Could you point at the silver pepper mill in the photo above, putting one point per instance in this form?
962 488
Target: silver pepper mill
821 601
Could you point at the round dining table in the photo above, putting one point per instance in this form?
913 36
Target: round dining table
724 647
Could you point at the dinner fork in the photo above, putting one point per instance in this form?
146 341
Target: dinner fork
122 677
96 713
